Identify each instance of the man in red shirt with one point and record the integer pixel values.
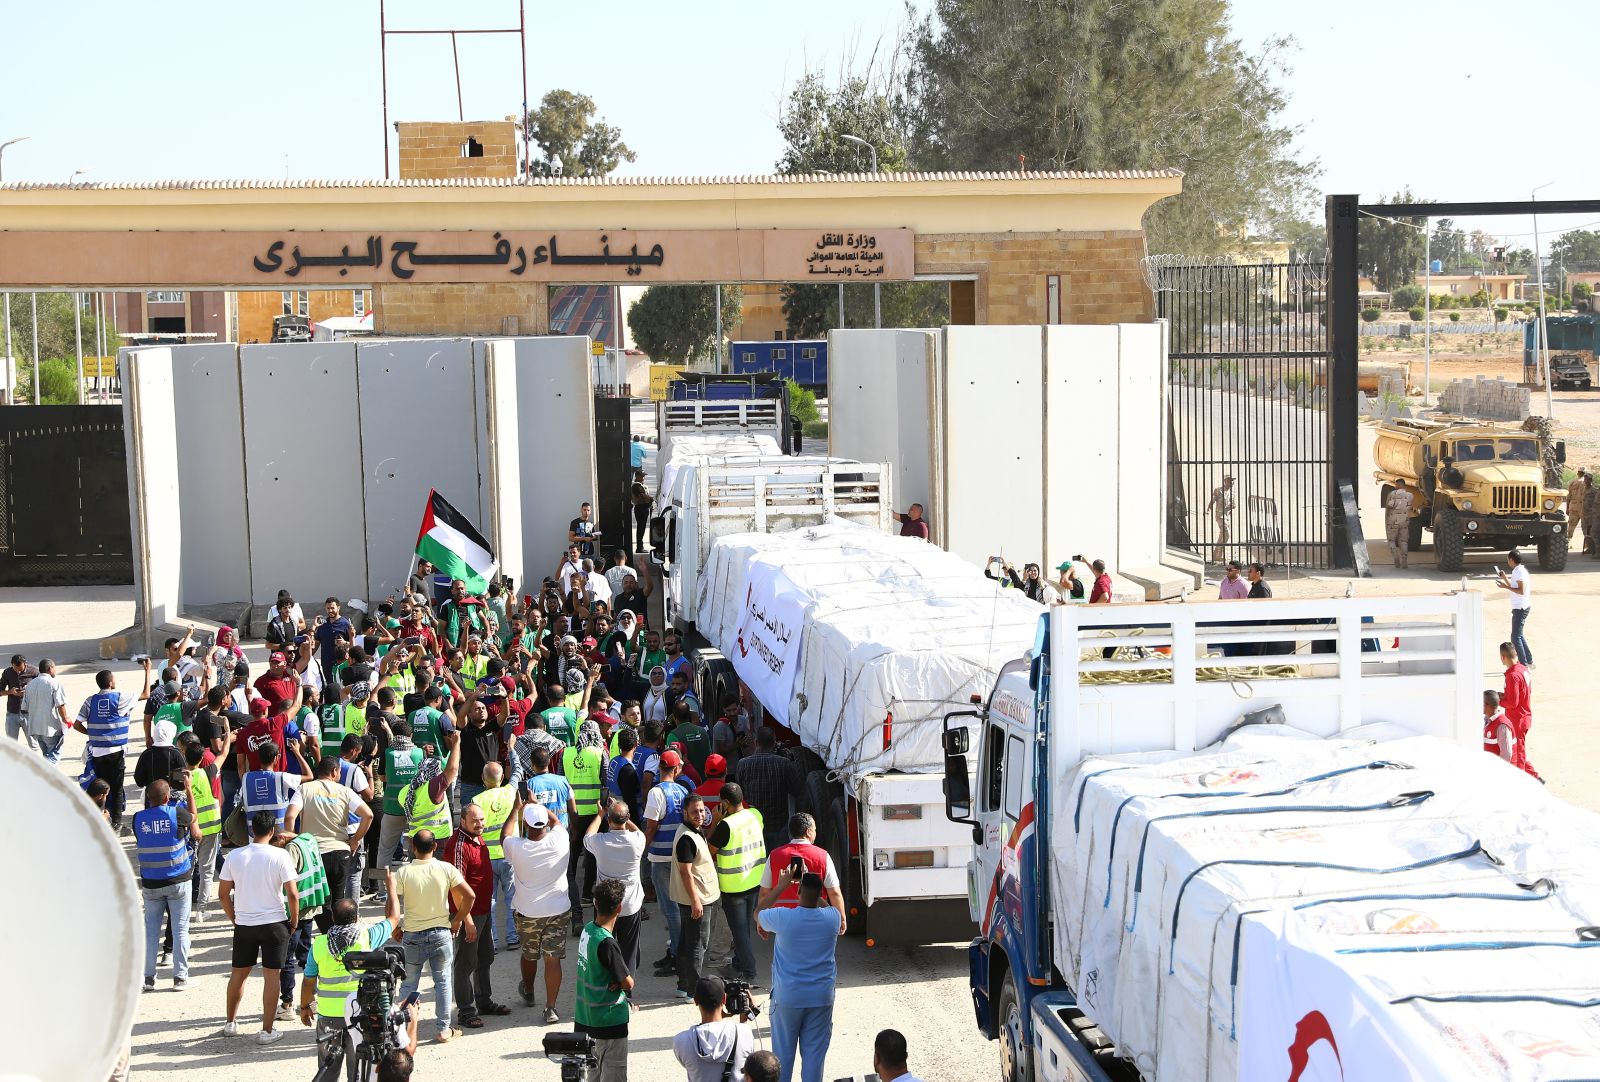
(1101, 594)
(474, 953)
(278, 685)
(1517, 701)
(264, 728)
(716, 777)
(912, 523)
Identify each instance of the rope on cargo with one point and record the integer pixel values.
(1587, 937)
(1403, 800)
(1537, 891)
(1497, 997)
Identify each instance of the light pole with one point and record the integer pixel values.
(1543, 340)
(877, 288)
(2, 152)
(76, 173)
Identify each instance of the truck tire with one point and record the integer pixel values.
(1414, 534)
(833, 834)
(1553, 551)
(1014, 1064)
(1449, 546)
(819, 795)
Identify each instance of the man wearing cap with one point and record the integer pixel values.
(1068, 586)
(538, 851)
(715, 1049)
(278, 685)
(803, 975)
(397, 768)
(431, 728)
(663, 814)
(715, 778)
(1221, 506)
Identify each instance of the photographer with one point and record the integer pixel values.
(803, 973)
(327, 985)
(716, 1048)
(604, 981)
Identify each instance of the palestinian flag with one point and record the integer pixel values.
(454, 546)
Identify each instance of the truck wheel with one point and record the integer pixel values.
(819, 794)
(1553, 551)
(1014, 1065)
(1448, 543)
(833, 833)
(1414, 534)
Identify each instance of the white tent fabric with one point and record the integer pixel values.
(892, 626)
(1206, 907)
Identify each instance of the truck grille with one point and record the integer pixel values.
(1516, 499)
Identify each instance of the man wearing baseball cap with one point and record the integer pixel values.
(278, 685)
(538, 853)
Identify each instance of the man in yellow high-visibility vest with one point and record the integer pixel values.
(497, 800)
(328, 985)
(740, 855)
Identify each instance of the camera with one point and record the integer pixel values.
(739, 1003)
(376, 1015)
(573, 1051)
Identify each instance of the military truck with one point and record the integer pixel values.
(1477, 484)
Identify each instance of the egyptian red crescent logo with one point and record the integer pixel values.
(1308, 1032)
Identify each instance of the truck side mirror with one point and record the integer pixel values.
(957, 790)
(956, 741)
(1561, 450)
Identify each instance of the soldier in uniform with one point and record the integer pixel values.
(1397, 522)
(1577, 505)
(1591, 522)
(1221, 506)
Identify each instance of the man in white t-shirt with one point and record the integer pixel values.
(617, 852)
(539, 876)
(1516, 581)
(258, 894)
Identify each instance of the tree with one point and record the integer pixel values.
(678, 324)
(564, 131)
(815, 116)
(1408, 296)
(58, 339)
(1392, 250)
(58, 382)
(1105, 84)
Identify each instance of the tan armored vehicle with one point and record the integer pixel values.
(1477, 484)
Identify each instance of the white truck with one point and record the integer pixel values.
(1351, 889)
(701, 404)
(858, 643)
(708, 492)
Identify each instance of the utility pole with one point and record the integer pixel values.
(34, 299)
(1543, 339)
(877, 287)
(9, 142)
(1427, 312)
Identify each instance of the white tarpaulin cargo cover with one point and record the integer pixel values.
(1284, 908)
(891, 626)
(720, 449)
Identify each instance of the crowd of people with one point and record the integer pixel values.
(493, 773)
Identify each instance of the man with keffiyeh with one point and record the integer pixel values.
(327, 984)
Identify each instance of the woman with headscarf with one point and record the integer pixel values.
(654, 705)
(226, 653)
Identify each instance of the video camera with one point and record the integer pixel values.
(573, 1051)
(380, 973)
(739, 1003)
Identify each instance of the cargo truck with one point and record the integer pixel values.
(1196, 867)
(701, 404)
(1475, 484)
(857, 643)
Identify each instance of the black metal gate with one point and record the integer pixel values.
(64, 488)
(1249, 471)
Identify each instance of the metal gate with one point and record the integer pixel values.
(64, 489)
(1249, 471)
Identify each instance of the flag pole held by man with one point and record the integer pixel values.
(454, 546)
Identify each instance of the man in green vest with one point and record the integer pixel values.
(399, 765)
(431, 728)
(328, 984)
(584, 768)
(314, 892)
(603, 986)
(740, 855)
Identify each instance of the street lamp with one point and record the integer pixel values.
(76, 173)
(877, 289)
(3, 146)
(1544, 332)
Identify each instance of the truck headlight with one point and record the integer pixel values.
(1549, 505)
(1466, 505)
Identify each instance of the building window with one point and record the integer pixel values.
(1052, 298)
(164, 296)
(288, 303)
(780, 354)
(809, 353)
(358, 303)
(302, 304)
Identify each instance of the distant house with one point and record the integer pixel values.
(1499, 287)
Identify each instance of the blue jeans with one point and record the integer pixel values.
(160, 903)
(17, 729)
(502, 915)
(661, 876)
(436, 948)
(50, 748)
(1519, 619)
(740, 909)
(808, 1028)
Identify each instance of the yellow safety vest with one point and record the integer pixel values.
(496, 805)
(429, 814)
(207, 814)
(335, 983)
(584, 768)
(472, 670)
(403, 680)
(739, 863)
(355, 719)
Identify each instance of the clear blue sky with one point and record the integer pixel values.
(237, 89)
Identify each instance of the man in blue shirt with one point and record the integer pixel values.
(549, 789)
(803, 973)
(330, 628)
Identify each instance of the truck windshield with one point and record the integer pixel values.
(1503, 450)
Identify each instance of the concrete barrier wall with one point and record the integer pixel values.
(302, 463)
(150, 432)
(1082, 481)
(210, 437)
(307, 466)
(1141, 447)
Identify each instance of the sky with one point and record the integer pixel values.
(292, 89)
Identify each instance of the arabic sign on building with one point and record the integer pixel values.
(297, 259)
(767, 649)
